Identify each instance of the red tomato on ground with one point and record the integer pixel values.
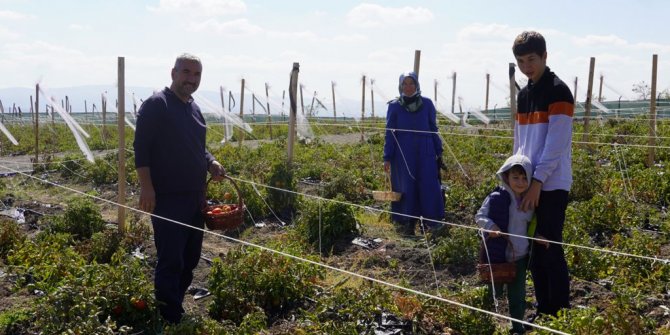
(140, 304)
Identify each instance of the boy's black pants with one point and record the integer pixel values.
(548, 266)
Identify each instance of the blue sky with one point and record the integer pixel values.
(72, 43)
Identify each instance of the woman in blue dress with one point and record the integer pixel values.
(411, 151)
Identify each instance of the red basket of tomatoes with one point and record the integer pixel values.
(225, 216)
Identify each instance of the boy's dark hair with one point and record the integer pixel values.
(529, 42)
(516, 169)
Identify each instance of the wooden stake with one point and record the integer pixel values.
(223, 105)
(332, 88)
(575, 92)
(453, 92)
(435, 91)
(302, 103)
(37, 122)
(293, 86)
(651, 156)
(486, 102)
(587, 104)
(253, 106)
(417, 62)
(512, 94)
(311, 106)
(283, 98)
(85, 107)
(363, 107)
(267, 103)
(372, 98)
(134, 106)
(600, 91)
(239, 142)
(122, 145)
(103, 103)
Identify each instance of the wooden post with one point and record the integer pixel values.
(293, 86)
(600, 91)
(67, 104)
(372, 98)
(302, 103)
(587, 104)
(37, 122)
(122, 144)
(417, 61)
(486, 102)
(435, 91)
(512, 94)
(253, 106)
(311, 106)
(332, 88)
(575, 92)
(283, 98)
(239, 142)
(85, 107)
(103, 103)
(363, 106)
(223, 105)
(134, 106)
(267, 103)
(652, 113)
(453, 92)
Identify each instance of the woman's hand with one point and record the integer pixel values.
(387, 166)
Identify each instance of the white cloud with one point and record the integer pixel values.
(352, 38)
(373, 16)
(243, 28)
(653, 47)
(15, 16)
(201, 8)
(6, 34)
(239, 27)
(487, 32)
(79, 27)
(54, 64)
(599, 40)
(298, 35)
(391, 55)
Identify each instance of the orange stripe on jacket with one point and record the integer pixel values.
(561, 108)
(532, 118)
(557, 108)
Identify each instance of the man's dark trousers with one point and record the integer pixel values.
(178, 249)
(548, 265)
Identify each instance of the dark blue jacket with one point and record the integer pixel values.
(498, 211)
(170, 140)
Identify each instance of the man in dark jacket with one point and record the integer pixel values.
(172, 164)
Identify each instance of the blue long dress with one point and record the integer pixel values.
(413, 161)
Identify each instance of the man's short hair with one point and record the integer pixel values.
(529, 42)
(186, 57)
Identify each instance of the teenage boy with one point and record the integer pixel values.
(543, 133)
